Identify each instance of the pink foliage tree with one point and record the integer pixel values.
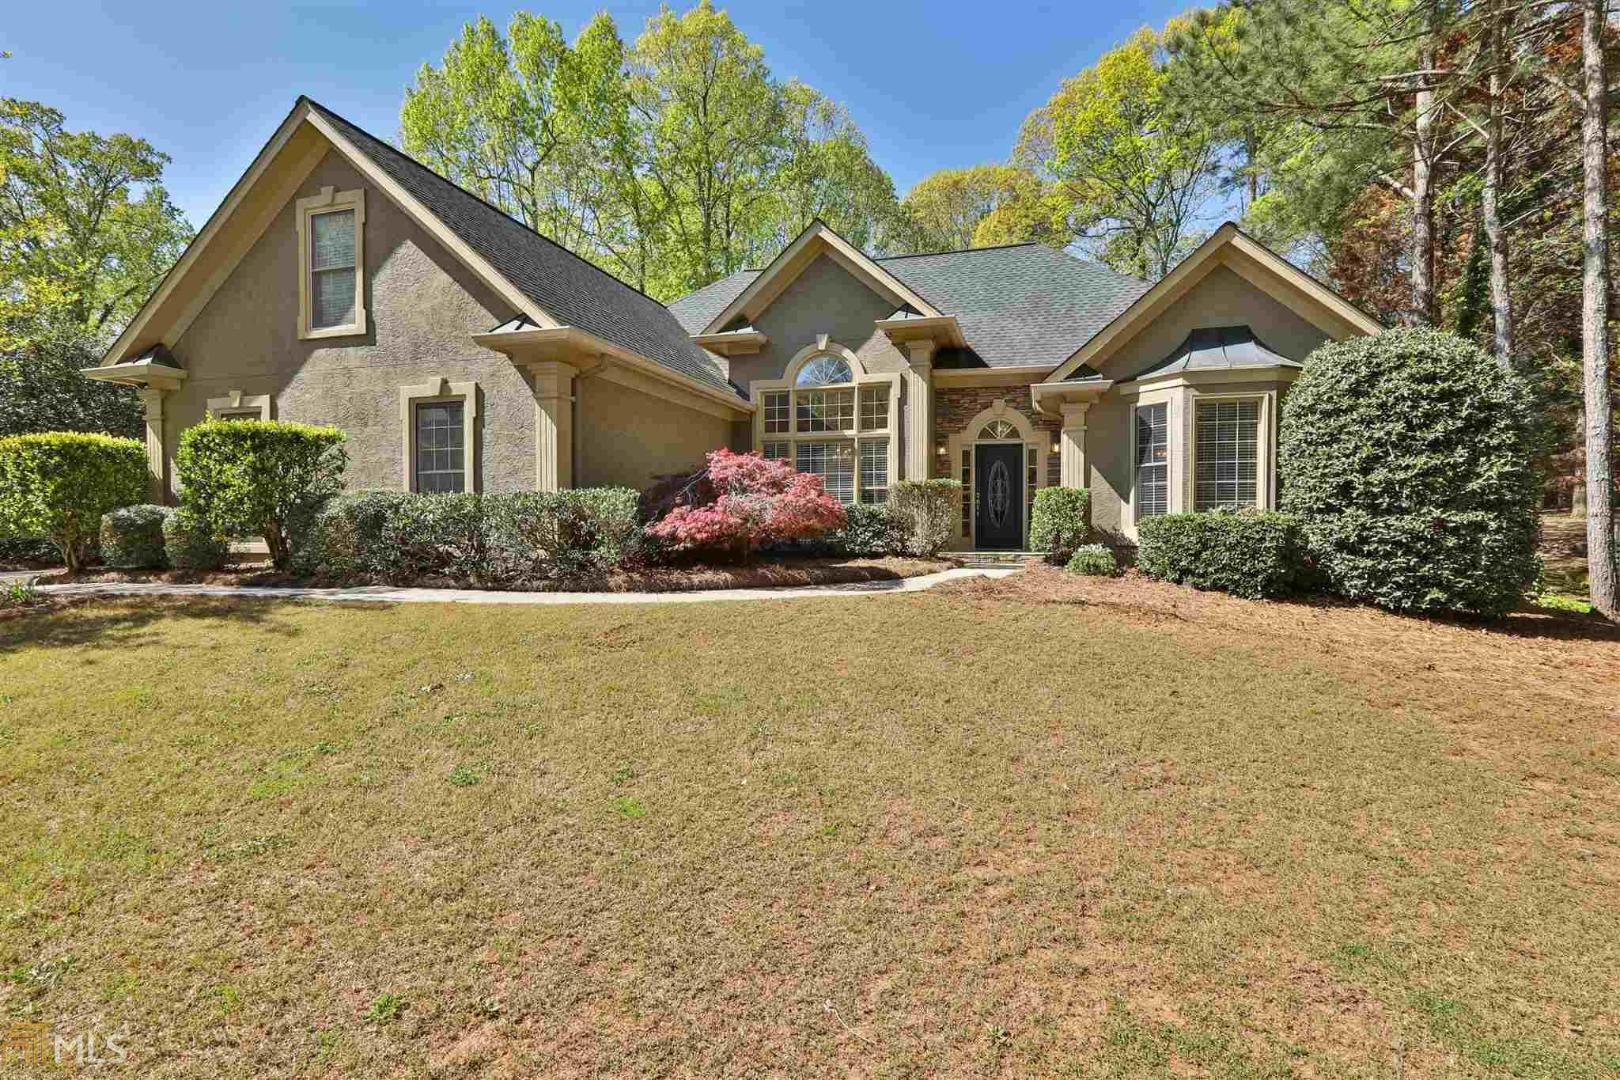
(756, 502)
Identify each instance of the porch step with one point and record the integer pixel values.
(994, 560)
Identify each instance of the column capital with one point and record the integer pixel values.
(920, 354)
(552, 378)
(1074, 413)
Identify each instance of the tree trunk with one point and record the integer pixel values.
(1490, 200)
(1595, 317)
(1422, 312)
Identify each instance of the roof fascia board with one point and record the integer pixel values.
(204, 239)
(1254, 262)
(1258, 265)
(797, 256)
(572, 339)
(430, 222)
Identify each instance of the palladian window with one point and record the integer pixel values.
(831, 420)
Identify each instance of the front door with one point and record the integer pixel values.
(998, 496)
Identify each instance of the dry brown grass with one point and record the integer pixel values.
(1039, 826)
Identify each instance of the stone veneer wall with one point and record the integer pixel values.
(955, 406)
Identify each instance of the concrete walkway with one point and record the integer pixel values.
(389, 595)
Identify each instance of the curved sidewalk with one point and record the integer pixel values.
(388, 595)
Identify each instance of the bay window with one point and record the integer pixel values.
(1227, 454)
(1152, 460)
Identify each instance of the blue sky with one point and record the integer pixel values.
(933, 85)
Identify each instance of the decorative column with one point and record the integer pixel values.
(553, 424)
(1072, 444)
(156, 464)
(919, 380)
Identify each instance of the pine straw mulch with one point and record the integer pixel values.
(781, 572)
(1558, 657)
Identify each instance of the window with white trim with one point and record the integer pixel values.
(834, 462)
(874, 470)
(1227, 454)
(441, 447)
(828, 417)
(1152, 460)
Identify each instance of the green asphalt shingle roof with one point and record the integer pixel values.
(1017, 305)
(572, 290)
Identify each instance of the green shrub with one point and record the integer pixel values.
(869, 531)
(132, 537)
(192, 544)
(1408, 459)
(260, 478)
(488, 540)
(16, 550)
(928, 512)
(1093, 560)
(345, 537)
(1249, 553)
(1060, 520)
(57, 485)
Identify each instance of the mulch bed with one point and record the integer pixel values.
(764, 573)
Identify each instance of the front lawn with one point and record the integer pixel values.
(1041, 826)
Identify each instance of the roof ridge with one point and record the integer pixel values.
(958, 251)
(478, 198)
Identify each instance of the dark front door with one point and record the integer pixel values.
(998, 495)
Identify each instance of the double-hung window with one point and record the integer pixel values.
(1227, 454)
(331, 264)
(1152, 460)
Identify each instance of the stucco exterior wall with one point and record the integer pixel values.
(824, 299)
(627, 437)
(1223, 298)
(423, 306)
(1108, 449)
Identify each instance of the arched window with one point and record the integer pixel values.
(830, 417)
(999, 430)
(825, 371)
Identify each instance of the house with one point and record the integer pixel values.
(343, 283)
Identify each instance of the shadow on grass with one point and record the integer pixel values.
(122, 621)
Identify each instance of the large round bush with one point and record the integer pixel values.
(1407, 458)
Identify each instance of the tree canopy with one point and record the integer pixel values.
(670, 161)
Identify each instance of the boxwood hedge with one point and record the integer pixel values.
(1251, 553)
(132, 536)
(1060, 521)
(1408, 459)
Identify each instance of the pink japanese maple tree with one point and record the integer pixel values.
(754, 502)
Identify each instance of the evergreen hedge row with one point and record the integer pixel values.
(1251, 553)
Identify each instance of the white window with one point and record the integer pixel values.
(1228, 457)
(874, 470)
(828, 416)
(331, 257)
(1152, 460)
(874, 408)
(834, 462)
(776, 412)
